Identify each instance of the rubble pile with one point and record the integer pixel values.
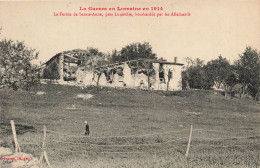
(84, 96)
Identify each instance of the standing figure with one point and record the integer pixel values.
(87, 128)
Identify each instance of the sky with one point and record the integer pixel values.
(215, 27)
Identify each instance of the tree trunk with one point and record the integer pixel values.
(92, 62)
(148, 82)
(187, 85)
(243, 91)
(231, 88)
(99, 75)
(242, 94)
(225, 88)
(187, 81)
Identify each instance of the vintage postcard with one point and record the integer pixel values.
(130, 83)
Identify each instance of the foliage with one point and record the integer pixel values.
(16, 70)
(98, 59)
(220, 69)
(223, 74)
(196, 75)
(247, 65)
(133, 51)
(231, 80)
(219, 72)
(248, 70)
(51, 71)
(200, 76)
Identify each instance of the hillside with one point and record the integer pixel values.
(135, 128)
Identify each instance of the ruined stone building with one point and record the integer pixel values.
(79, 67)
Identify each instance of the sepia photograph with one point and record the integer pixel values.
(130, 84)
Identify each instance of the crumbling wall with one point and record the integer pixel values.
(80, 75)
(177, 85)
(118, 81)
(103, 80)
(141, 81)
(128, 78)
(121, 75)
(156, 79)
(88, 78)
(175, 80)
(85, 76)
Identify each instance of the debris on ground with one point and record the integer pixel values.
(195, 113)
(84, 96)
(72, 107)
(41, 93)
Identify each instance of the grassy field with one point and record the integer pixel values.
(131, 128)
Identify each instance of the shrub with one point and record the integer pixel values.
(51, 71)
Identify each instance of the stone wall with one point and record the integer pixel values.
(134, 80)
